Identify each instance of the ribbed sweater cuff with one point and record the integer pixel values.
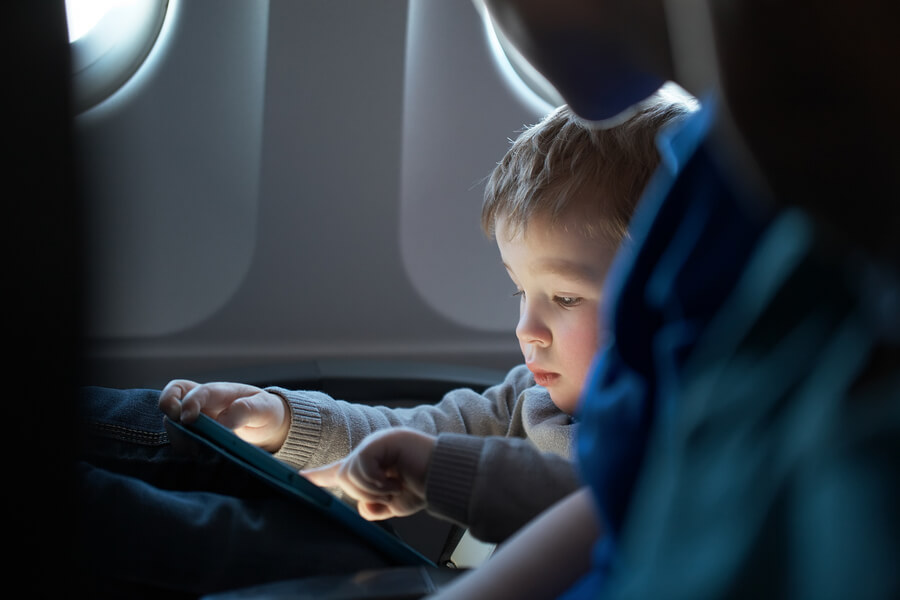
(306, 427)
(451, 475)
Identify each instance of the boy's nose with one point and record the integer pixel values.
(531, 329)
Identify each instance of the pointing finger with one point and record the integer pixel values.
(325, 476)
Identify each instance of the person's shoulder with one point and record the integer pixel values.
(678, 141)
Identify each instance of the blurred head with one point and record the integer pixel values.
(602, 56)
(803, 89)
(559, 204)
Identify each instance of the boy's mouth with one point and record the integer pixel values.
(542, 377)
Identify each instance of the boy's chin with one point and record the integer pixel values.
(566, 402)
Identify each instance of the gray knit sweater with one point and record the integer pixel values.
(515, 460)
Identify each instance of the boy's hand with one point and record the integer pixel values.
(256, 416)
(385, 474)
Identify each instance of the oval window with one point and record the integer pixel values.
(109, 40)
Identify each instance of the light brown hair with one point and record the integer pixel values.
(563, 163)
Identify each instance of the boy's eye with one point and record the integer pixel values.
(518, 293)
(567, 301)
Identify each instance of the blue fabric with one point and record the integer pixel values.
(741, 430)
(163, 520)
(779, 476)
(690, 235)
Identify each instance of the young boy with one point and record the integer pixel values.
(558, 205)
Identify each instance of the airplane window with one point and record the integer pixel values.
(110, 39)
(453, 266)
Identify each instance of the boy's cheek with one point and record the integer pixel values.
(581, 344)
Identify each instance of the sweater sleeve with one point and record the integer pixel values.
(495, 485)
(324, 429)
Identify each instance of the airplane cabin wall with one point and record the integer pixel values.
(289, 180)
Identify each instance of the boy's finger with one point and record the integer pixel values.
(375, 511)
(325, 476)
(335, 476)
(212, 398)
(172, 395)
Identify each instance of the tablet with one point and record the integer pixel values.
(282, 476)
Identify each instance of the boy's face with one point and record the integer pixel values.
(558, 273)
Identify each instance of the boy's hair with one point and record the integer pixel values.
(564, 163)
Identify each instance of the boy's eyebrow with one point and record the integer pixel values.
(566, 268)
